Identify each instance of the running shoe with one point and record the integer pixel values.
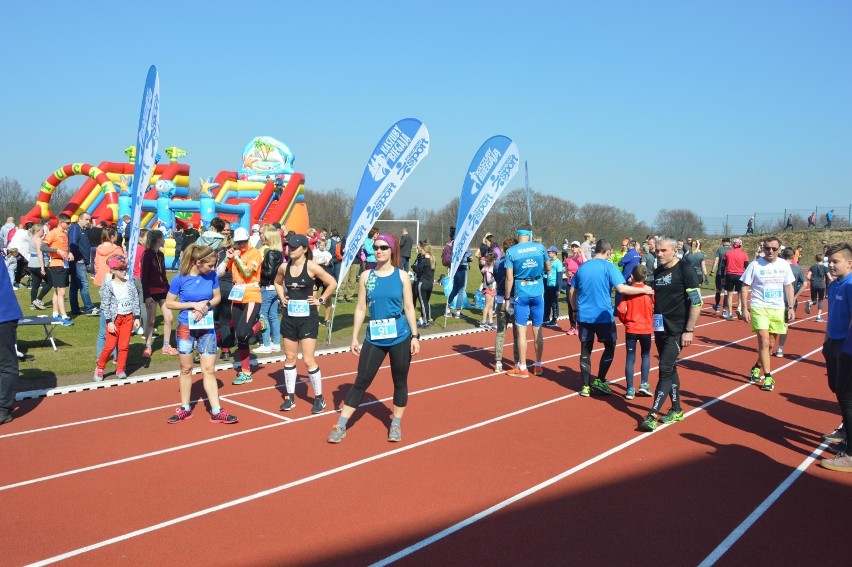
(458, 315)
(57, 319)
(768, 384)
(67, 322)
(836, 436)
(169, 350)
(649, 423)
(779, 353)
(288, 404)
(225, 355)
(538, 370)
(38, 304)
(585, 391)
(808, 307)
(601, 386)
(839, 448)
(394, 433)
(820, 320)
(673, 416)
(715, 307)
(572, 331)
(630, 394)
(242, 378)
(275, 348)
(99, 375)
(147, 352)
(645, 390)
(725, 313)
(754, 375)
(729, 317)
(498, 367)
(223, 417)
(93, 312)
(262, 349)
(120, 374)
(319, 405)
(180, 415)
(515, 372)
(841, 462)
(338, 432)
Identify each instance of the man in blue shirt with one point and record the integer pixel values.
(526, 266)
(837, 350)
(10, 313)
(591, 297)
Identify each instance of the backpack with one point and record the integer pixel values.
(338, 251)
(447, 254)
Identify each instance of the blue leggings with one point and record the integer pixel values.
(645, 344)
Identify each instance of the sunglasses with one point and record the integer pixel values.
(771, 248)
(124, 269)
(383, 247)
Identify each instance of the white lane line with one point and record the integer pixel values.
(561, 476)
(256, 409)
(746, 524)
(374, 458)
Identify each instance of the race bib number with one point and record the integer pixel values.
(772, 294)
(125, 306)
(298, 308)
(205, 322)
(237, 293)
(383, 329)
(658, 322)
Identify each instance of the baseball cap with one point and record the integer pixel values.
(115, 262)
(255, 228)
(575, 243)
(553, 249)
(737, 242)
(297, 240)
(241, 235)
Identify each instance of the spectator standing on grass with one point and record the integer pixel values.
(798, 286)
(120, 306)
(137, 275)
(155, 287)
(829, 217)
(11, 261)
(39, 276)
(273, 257)
(649, 259)
(552, 281)
(294, 286)
(10, 313)
(405, 245)
(636, 312)
(191, 234)
(818, 278)
(21, 241)
(424, 273)
(677, 306)
(695, 260)
(571, 264)
(837, 351)
(5, 230)
(591, 296)
(193, 293)
(108, 249)
(587, 247)
(95, 233)
(56, 246)
(489, 289)
(767, 293)
(78, 243)
(386, 290)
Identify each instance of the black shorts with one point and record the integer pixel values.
(58, 276)
(733, 283)
(158, 297)
(817, 293)
(605, 332)
(297, 328)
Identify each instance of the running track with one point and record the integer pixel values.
(492, 470)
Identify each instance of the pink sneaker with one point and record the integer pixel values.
(223, 417)
(180, 415)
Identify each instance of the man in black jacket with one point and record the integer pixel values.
(405, 249)
(79, 246)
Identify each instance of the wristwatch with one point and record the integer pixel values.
(321, 301)
(209, 305)
(417, 336)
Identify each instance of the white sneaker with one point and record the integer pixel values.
(262, 350)
(275, 348)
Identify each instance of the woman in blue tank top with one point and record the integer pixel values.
(386, 291)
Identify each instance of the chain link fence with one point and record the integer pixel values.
(764, 222)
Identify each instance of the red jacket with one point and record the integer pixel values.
(637, 313)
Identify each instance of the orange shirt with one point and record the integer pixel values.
(58, 239)
(251, 259)
(637, 313)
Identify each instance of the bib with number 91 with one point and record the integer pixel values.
(298, 308)
(383, 329)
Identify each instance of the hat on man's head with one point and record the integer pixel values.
(737, 242)
(575, 243)
(255, 228)
(553, 249)
(116, 262)
(241, 235)
(297, 240)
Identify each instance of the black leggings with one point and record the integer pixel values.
(572, 313)
(38, 280)
(668, 347)
(844, 392)
(586, 360)
(245, 317)
(369, 363)
(424, 294)
(222, 316)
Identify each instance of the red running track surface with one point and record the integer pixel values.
(492, 470)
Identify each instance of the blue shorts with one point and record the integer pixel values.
(529, 309)
(605, 332)
(202, 339)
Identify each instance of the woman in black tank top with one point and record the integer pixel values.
(294, 284)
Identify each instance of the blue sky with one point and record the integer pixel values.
(720, 107)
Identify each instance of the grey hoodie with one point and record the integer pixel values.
(211, 238)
